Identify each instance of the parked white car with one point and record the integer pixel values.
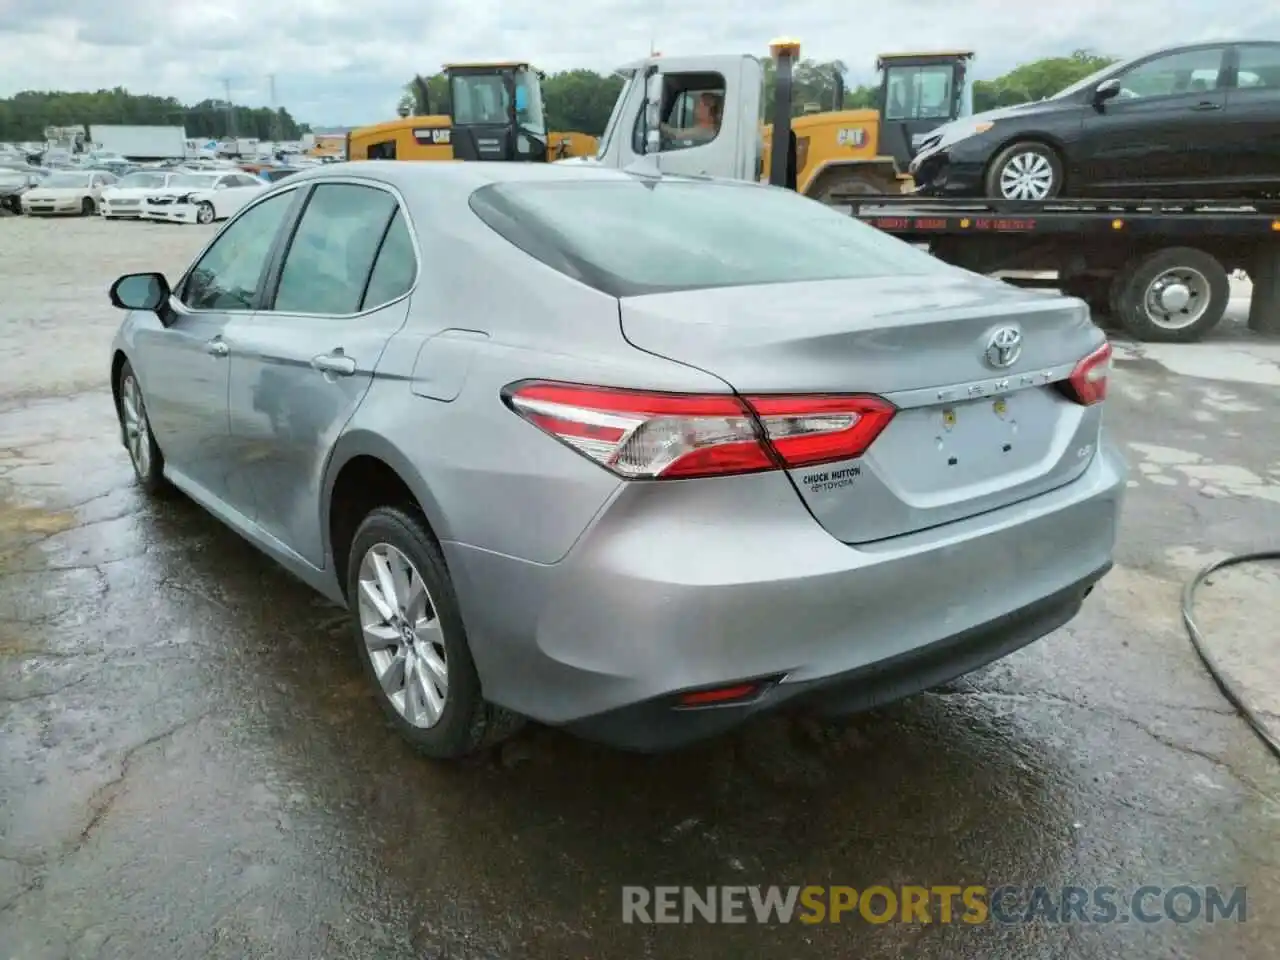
(202, 197)
(124, 199)
(73, 192)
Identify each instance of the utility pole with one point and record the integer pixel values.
(275, 111)
(231, 111)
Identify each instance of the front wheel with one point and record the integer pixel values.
(135, 430)
(1025, 171)
(410, 637)
(205, 212)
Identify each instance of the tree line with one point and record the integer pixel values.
(581, 100)
(25, 115)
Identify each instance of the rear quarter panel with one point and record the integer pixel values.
(489, 479)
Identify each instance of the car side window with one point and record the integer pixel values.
(692, 114)
(328, 264)
(1187, 72)
(1259, 66)
(228, 275)
(396, 267)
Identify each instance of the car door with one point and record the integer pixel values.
(183, 365)
(301, 366)
(1160, 134)
(1251, 155)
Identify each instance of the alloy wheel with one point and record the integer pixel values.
(137, 429)
(403, 635)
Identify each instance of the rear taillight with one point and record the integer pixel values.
(644, 436)
(1088, 381)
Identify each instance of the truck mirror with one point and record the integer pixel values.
(653, 112)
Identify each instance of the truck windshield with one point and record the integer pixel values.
(920, 92)
(529, 102)
(612, 126)
(479, 98)
(630, 237)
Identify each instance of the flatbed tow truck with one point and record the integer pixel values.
(1160, 269)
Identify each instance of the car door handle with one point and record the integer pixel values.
(217, 348)
(1207, 105)
(338, 363)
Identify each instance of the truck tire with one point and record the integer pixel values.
(1175, 295)
(1026, 170)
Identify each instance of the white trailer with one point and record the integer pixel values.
(139, 142)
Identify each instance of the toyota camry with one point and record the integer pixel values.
(638, 456)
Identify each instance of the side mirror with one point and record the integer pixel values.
(1106, 90)
(140, 291)
(653, 88)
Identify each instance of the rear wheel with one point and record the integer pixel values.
(1172, 296)
(411, 639)
(87, 207)
(205, 212)
(1025, 171)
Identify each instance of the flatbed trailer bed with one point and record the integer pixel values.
(1159, 268)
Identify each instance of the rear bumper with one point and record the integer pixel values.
(660, 724)
(684, 586)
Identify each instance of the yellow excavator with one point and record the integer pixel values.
(493, 111)
(857, 152)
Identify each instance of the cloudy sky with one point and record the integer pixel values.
(343, 61)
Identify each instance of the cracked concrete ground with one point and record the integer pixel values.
(192, 765)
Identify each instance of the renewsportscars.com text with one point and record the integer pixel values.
(936, 904)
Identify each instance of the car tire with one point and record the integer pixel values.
(1026, 167)
(1150, 293)
(135, 432)
(87, 207)
(420, 635)
(205, 213)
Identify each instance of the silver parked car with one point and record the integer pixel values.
(637, 456)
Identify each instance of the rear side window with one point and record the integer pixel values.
(396, 267)
(629, 237)
(332, 252)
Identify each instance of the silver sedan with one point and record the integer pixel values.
(638, 456)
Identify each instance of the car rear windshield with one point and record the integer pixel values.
(635, 237)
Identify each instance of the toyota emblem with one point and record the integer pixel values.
(1004, 347)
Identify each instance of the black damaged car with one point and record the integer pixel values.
(1195, 121)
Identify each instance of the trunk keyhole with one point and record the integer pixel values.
(1007, 447)
(952, 461)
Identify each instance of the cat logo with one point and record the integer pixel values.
(851, 137)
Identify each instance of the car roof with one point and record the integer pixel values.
(421, 176)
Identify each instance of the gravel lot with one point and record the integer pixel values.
(191, 764)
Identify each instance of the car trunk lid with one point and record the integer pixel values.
(981, 422)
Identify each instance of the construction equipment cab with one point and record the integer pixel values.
(492, 111)
(918, 93)
(496, 109)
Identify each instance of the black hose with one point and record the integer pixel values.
(1229, 689)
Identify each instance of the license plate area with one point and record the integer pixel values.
(953, 448)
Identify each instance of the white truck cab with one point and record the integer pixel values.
(676, 85)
